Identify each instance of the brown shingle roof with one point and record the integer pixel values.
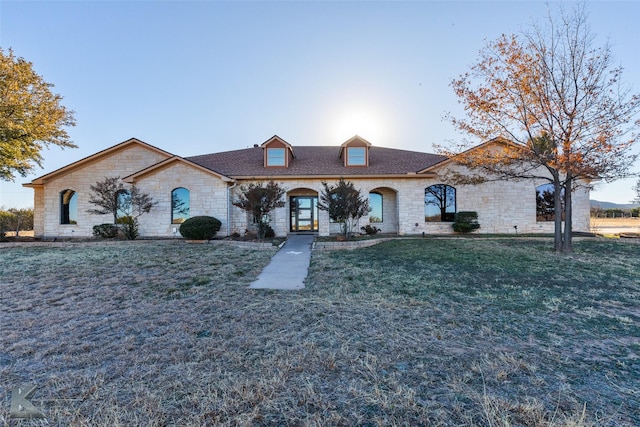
(317, 161)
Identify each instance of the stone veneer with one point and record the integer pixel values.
(124, 162)
(500, 205)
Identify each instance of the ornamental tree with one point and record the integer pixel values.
(110, 196)
(259, 201)
(556, 103)
(31, 117)
(344, 204)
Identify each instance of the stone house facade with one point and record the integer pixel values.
(399, 183)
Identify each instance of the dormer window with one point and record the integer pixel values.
(276, 157)
(356, 156)
(355, 152)
(278, 153)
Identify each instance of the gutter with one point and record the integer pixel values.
(229, 204)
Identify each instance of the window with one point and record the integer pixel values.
(356, 156)
(179, 205)
(545, 203)
(439, 203)
(275, 157)
(375, 203)
(68, 207)
(123, 211)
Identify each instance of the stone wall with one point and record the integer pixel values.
(501, 205)
(124, 162)
(207, 196)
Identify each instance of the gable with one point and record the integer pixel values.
(171, 163)
(138, 155)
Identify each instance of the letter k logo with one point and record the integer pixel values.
(20, 406)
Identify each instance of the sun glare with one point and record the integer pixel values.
(358, 121)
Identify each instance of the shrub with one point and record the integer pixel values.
(130, 227)
(268, 232)
(106, 231)
(465, 222)
(369, 229)
(200, 228)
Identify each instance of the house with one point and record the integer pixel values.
(408, 190)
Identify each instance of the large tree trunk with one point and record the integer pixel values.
(567, 245)
(557, 215)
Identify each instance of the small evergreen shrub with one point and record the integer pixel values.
(106, 231)
(268, 232)
(130, 227)
(370, 229)
(465, 222)
(200, 228)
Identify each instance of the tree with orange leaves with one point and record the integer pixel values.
(555, 104)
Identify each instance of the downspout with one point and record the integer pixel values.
(229, 204)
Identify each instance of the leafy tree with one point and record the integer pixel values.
(556, 102)
(344, 204)
(18, 219)
(126, 205)
(31, 117)
(104, 194)
(259, 201)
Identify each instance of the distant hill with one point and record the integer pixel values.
(609, 205)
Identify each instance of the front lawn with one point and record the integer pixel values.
(408, 332)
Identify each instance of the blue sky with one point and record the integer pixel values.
(206, 76)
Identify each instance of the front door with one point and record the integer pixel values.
(304, 213)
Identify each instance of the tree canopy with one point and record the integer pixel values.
(259, 200)
(31, 117)
(556, 103)
(344, 204)
(126, 205)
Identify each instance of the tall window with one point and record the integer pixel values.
(275, 157)
(545, 203)
(124, 210)
(68, 207)
(356, 156)
(375, 203)
(439, 203)
(179, 205)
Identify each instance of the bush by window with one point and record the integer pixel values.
(200, 228)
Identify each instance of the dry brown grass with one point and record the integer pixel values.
(615, 222)
(489, 332)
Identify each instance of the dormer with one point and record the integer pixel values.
(278, 153)
(355, 152)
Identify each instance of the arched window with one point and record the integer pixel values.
(68, 207)
(439, 203)
(545, 203)
(375, 203)
(124, 210)
(179, 205)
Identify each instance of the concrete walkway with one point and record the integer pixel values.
(289, 266)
